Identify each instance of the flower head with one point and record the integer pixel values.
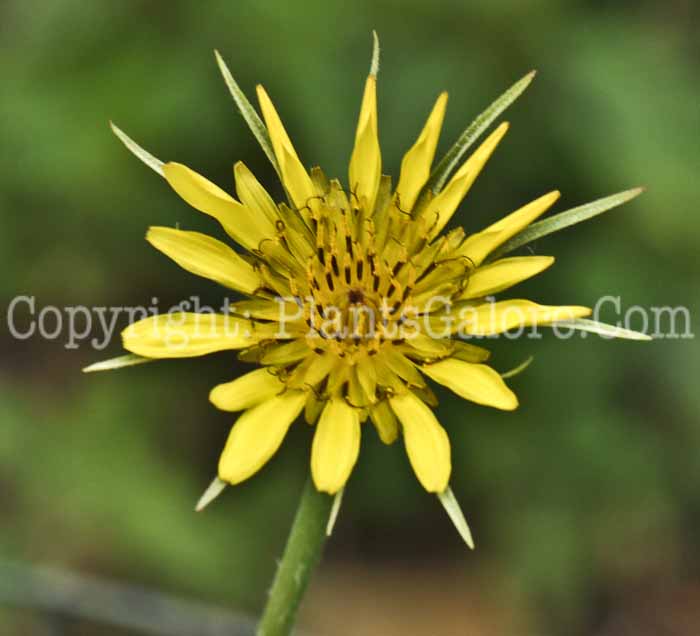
(357, 297)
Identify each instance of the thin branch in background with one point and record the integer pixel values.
(122, 605)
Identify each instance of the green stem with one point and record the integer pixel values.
(301, 555)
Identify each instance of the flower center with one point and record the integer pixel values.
(360, 279)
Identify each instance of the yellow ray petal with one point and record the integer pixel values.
(494, 318)
(402, 366)
(366, 160)
(415, 167)
(355, 392)
(427, 444)
(336, 445)
(443, 206)
(469, 352)
(478, 246)
(286, 353)
(239, 222)
(253, 195)
(312, 370)
(385, 422)
(277, 309)
(312, 408)
(423, 346)
(248, 390)
(367, 377)
(504, 273)
(257, 434)
(185, 335)
(386, 378)
(296, 180)
(205, 256)
(474, 382)
(525, 215)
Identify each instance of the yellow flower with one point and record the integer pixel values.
(356, 296)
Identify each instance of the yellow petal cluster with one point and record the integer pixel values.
(356, 299)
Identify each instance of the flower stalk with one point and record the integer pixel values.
(301, 555)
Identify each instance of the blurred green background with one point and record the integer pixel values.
(585, 502)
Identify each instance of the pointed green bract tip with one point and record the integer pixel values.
(472, 132)
(127, 360)
(374, 66)
(337, 500)
(152, 162)
(519, 369)
(212, 492)
(221, 64)
(602, 329)
(449, 502)
(563, 220)
(250, 115)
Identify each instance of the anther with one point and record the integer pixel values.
(355, 296)
(334, 264)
